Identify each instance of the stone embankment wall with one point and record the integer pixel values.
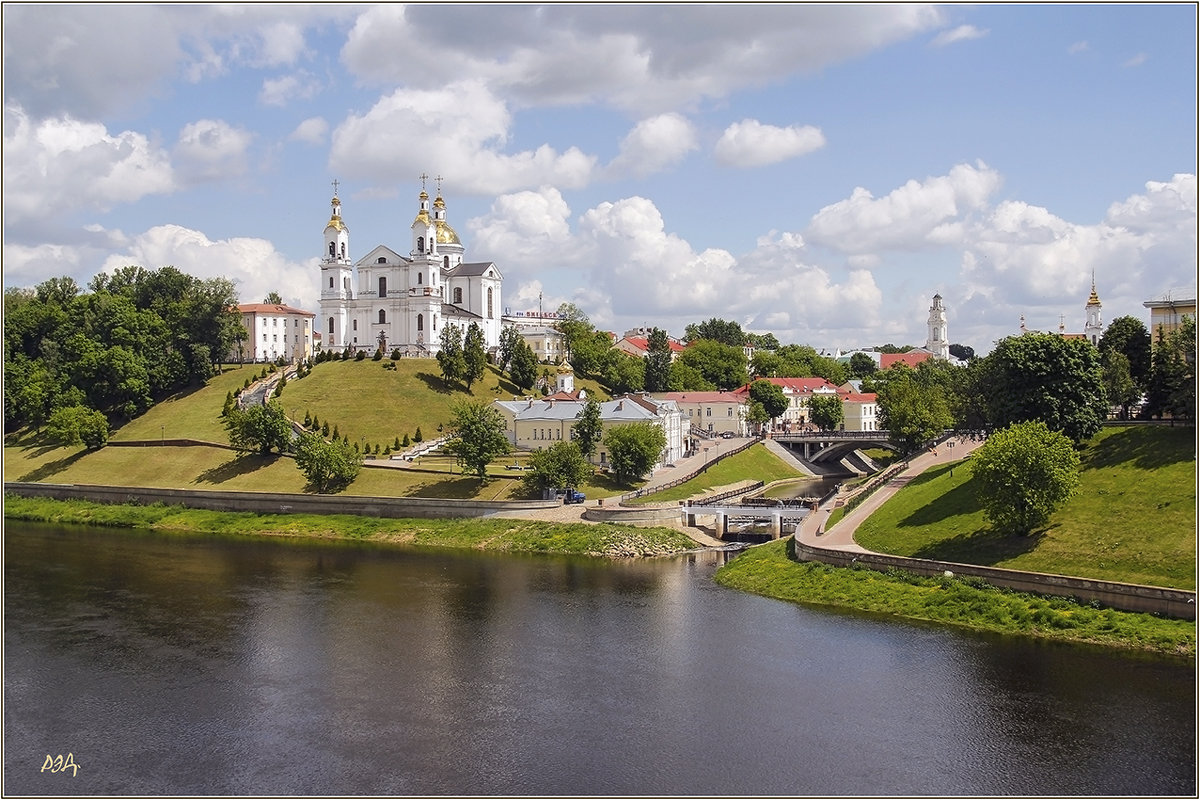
(279, 502)
(1176, 603)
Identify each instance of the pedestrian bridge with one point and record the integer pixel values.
(724, 513)
(833, 445)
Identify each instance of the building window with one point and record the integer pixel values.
(382, 317)
(355, 326)
(708, 412)
(330, 281)
(383, 287)
(331, 324)
(418, 279)
(381, 260)
(420, 322)
(489, 304)
(446, 262)
(458, 297)
(420, 244)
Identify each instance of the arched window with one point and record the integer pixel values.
(420, 244)
(383, 287)
(446, 262)
(420, 322)
(490, 316)
(330, 281)
(458, 297)
(331, 324)
(419, 279)
(381, 260)
(331, 250)
(355, 324)
(382, 317)
(343, 249)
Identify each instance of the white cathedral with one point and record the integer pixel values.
(390, 301)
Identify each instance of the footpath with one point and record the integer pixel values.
(813, 528)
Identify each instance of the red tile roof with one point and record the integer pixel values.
(795, 385)
(272, 308)
(911, 358)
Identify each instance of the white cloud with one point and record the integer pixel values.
(211, 149)
(254, 265)
(62, 164)
(750, 143)
(654, 144)
(281, 43)
(960, 34)
(913, 216)
(1077, 47)
(1136, 61)
(280, 91)
(464, 125)
(312, 130)
(523, 228)
(643, 58)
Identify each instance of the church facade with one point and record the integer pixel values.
(392, 301)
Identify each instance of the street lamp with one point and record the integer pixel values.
(162, 430)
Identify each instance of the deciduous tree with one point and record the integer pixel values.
(474, 356)
(771, 397)
(477, 435)
(588, 428)
(658, 361)
(558, 466)
(1024, 472)
(328, 466)
(523, 366)
(722, 365)
(634, 449)
(450, 354)
(259, 428)
(826, 411)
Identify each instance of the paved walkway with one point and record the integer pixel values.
(841, 536)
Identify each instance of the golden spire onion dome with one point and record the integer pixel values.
(565, 369)
(446, 234)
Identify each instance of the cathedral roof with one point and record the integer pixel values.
(474, 269)
(445, 234)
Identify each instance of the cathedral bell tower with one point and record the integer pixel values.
(337, 279)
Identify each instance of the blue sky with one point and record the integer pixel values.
(816, 171)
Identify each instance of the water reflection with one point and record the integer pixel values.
(190, 665)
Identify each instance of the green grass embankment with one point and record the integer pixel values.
(507, 535)
(1133, 518)
(766, 570)
(754, 463)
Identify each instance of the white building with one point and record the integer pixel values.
(403, 302)
(274, 331)
(936, 340)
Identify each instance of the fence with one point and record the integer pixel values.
(622, 500)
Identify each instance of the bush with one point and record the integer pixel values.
(361, 355)
(417, 437)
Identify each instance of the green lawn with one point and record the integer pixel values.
(755, 463)
(1132, 520)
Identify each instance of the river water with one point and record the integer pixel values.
(178, 664)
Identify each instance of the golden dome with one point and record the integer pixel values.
(422, 216)
(336, 223)
(446, 234)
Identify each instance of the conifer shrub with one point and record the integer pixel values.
(417, 437)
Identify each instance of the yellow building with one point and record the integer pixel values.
(1168, 311)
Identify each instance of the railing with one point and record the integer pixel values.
(622, 500)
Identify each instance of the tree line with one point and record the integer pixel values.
(76, 361)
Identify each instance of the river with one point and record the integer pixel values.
(182, 664)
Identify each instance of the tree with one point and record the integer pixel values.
(328, 466)
(962, 352)
(78, 425)
(450, 355)
(716, 330)
(862, 365)
(510, 338)
(771, 397)
(913, 411)
(826, 411)
(1119, 388)
(762, 341)
(756, 415)
(558, 466)
(259, 428)
(634, 449)
(625, 373)
(523, 366)
(1048, 377)
(474, 356)
(1128, 336)
(723, 365)
(576, 328)
(589, 428)
(478, 435)
(658, 361)
(1024, 473)
(273, 298)
(683, 378)
(1172, 384)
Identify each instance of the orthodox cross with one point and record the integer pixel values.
(335, 186)
(422, 176)
(439, 183)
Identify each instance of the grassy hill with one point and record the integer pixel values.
(1132, 520)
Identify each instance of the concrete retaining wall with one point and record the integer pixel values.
(646, 516)
(279, 502)
(1176, 603)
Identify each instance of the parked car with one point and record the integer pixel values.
(728, 435)
(570, 496)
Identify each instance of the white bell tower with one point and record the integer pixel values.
(337, 279)
(936, 340)
(1094, 328)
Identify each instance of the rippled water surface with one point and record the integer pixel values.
(193, 665)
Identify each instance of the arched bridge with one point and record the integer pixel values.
(833, 445)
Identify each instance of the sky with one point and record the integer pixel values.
(815, 171)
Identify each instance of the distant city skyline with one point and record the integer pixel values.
(814, 171)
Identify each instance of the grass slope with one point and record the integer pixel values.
(1132, 520)
(754, 463)
(766, 570)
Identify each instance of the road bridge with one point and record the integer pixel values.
(833, 445)
(777, 515)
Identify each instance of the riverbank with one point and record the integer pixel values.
(766, 570)
(504, 535)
